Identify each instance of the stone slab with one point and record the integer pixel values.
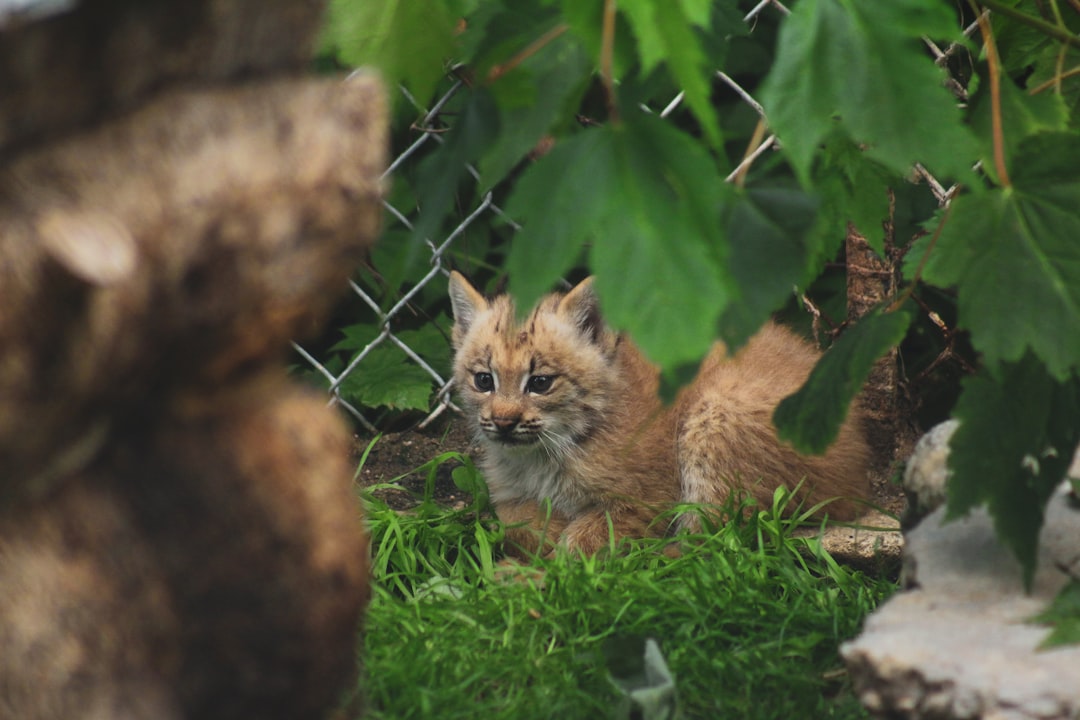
(957, 643)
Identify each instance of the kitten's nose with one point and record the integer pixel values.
(505, 423)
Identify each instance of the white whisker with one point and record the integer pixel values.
(558, 447)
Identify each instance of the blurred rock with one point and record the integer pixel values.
(177, 250)
(179, 536)
(64, 65)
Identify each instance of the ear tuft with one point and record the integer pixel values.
(581, 306)
(466, 303)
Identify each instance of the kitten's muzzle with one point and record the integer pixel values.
(505, 424)
(507, 429)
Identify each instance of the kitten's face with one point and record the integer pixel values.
(544, 383)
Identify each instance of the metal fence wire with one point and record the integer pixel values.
(429, 129)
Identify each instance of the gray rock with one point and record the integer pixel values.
(927, 472)
(957, 643)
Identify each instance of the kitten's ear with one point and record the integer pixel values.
(466, 303)
(581, 306)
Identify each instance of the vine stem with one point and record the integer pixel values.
(994, 64)
(607, 55)
(1053, 82)
(1063, 50)
(534, 47)
(755, 142)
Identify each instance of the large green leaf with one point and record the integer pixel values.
(438, 176)
(767, 232)
(646, 196)
(1014, 257)
(375, 33)
(387, 379)
(661, 260)
(499, 29)
(562, 201)
(666, 33)
(811, 418)
(557, 75)
(862, 65)
(854, 189)
(1015, 441)
(1022, 115)
(585, 18)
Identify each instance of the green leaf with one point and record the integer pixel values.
(468, 479)
(641, 15)
(439, 174)
(558, 74)
(665, 33)
(646, 196)
(767, 232)
(862, 65)
(854, 189)
(501, 28)
(660, 260)
(1046, 70)
(1014, 444)
(1064, 615)
(1022, 115)
(811, 418)
(431, 343)
(1018, 44)
(1014, 258)
(374, 34)
(561, 200)
(665, 292)
(387, 379)
(357, 337)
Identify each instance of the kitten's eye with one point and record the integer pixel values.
(539, 384)
(484, 382)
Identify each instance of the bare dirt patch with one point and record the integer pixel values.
(398, 456)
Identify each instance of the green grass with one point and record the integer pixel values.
(748, 619)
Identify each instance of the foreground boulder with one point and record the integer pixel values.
(179, 537)
(958, 641)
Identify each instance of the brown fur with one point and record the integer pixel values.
(598, 447)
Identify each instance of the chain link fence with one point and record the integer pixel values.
(429, 129)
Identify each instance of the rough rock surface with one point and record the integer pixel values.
(957, 643)
(927, 472)
(873, 544)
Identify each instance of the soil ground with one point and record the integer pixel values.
(396, 457)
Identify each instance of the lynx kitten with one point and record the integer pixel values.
(575, 436)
